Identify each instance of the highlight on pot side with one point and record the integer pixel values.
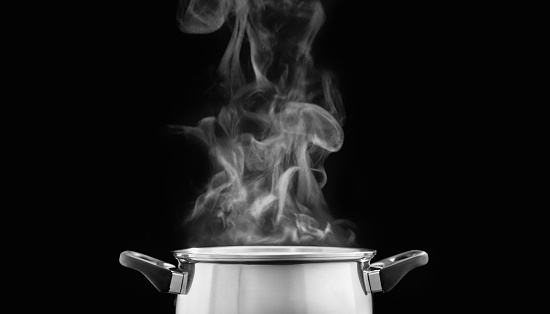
(268, 143)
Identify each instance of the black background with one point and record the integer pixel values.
(409, 75)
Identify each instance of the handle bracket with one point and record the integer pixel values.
(372, 281)
(178, 283)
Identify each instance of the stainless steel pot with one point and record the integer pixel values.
(274, 279)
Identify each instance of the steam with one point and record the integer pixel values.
(282, 120)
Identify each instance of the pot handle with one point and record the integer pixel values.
(164, 276)
(385, 274)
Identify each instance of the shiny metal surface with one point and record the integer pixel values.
(273, 253)
(309, 288)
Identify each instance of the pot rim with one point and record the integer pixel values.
(273, 253)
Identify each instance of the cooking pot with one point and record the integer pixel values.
(274, 279)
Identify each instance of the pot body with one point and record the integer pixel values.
(274, 280)
(304, 288)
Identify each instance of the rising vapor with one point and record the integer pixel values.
(269, 142)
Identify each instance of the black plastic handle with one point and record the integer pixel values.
(394, 268)
(157, 271)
